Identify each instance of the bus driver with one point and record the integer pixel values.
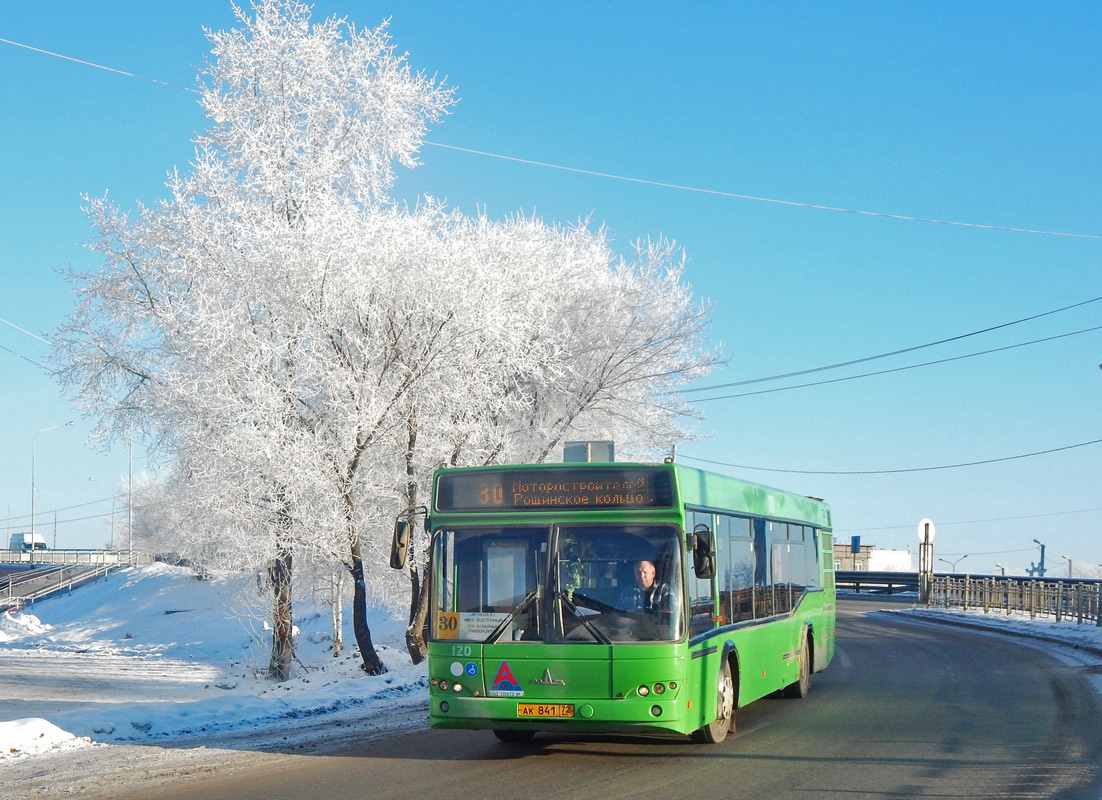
(646, 595)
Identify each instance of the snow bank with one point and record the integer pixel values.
(23, 737)
(15, 625)
(154, 655)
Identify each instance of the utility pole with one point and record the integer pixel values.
(1038, 570)
(925, 559)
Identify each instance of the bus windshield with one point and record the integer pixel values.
(585, 583)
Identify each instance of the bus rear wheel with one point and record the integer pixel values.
(799, 688)
(716, 731)
(514, 737)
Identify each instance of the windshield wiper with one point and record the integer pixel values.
(495, 634)
(598, 634)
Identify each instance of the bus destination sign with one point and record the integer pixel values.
(574, 488)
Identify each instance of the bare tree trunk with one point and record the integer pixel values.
(419, 596)
(415, 633)
(279, 572)
(372, 664)
(338, 613)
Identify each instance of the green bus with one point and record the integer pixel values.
(617, 597)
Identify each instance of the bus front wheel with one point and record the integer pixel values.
(716, 731)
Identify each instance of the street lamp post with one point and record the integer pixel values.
(33, 441)
(1068, 559)
(953, 564)
(1002, 569)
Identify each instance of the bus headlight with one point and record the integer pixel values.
(643, 691)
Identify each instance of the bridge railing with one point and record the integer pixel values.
(24, 588)
(1069, 599)
(113, 557)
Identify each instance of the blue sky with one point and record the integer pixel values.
(986, 113)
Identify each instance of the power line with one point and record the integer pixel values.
(814, 206)
(97, 66)
(892, 353)
(992, 552)
(24, 330)
(893, 471)
(642, 181)
(976, 522)
(896, 369)
(27, 517)
(20, 355)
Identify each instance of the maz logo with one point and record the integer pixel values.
(547, 680)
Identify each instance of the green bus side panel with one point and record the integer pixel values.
(766, 653)
(709, 490)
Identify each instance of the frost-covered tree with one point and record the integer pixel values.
(569, 340)
(186, 327)
(304, 353)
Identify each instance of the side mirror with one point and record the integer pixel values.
(399, 548)
(704, 556)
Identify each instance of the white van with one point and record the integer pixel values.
(26, 542)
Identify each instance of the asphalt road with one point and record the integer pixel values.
(905, 710)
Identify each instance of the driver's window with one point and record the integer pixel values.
(701, 595)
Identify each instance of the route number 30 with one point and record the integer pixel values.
(447, 625)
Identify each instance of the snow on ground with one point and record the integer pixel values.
(1085, 637)
(154, 655)
(155, 659)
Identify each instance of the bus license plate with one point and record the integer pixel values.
(546, 710)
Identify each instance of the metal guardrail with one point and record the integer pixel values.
(39, 574)
(112, 557)
(1068, 599)
(28, 586)
(876, 582)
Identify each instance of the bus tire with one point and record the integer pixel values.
(514, 737)
(799, 688)
(716, 731)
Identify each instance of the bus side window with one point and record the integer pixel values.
(811, 556)
(736, 568)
